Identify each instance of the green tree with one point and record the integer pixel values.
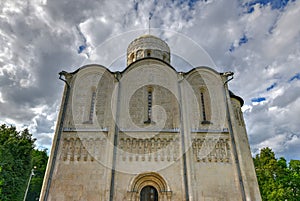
(276, 179)
(1, 181)
(266, 170)
(15, 162)
(39, 161)
(294, 183)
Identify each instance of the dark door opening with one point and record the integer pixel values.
(149, 193)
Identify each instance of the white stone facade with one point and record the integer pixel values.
(181, 134)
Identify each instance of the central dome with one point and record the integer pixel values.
(148, 46)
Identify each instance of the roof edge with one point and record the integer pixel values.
(232, 95)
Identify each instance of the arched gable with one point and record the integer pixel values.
(90, 98)
(136, 82)
(207, 108)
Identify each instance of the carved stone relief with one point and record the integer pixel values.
(211, 149)
(149, 149)
(76, 149)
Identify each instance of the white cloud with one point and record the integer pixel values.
(38, 39)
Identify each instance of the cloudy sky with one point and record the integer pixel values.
(259, 40)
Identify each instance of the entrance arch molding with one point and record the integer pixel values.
(149, 179)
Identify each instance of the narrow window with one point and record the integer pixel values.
(92, 107)
(203, 106)
(149, 108)
(164, 57)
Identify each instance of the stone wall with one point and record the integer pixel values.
(181, 143)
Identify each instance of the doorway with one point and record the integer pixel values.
(148, 193)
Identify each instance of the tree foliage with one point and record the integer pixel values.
(17, 157)
(277, 180)
(39, 161)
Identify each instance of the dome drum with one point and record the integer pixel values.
(148, 46)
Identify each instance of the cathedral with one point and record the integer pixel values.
(149, 133)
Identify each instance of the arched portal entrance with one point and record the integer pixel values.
(148, 193)
(149, 186)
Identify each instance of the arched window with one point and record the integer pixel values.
(149, 104)
(92, 106)
(148, 193)
(205, 106)
(147, 53)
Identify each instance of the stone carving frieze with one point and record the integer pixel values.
(83, 149)
(211, 150)
(149, 149)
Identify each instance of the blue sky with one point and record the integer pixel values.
(259, 40)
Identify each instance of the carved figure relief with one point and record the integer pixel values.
(211, 150)
(83, 149)
(150, 149)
